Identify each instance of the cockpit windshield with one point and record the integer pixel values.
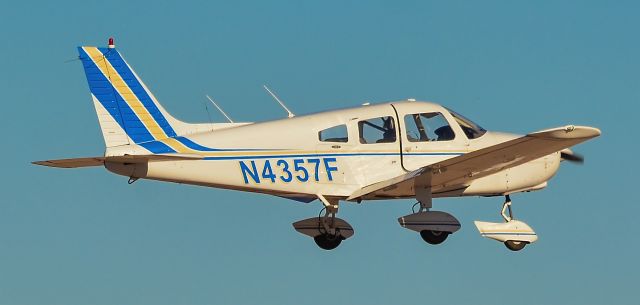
(471, 129)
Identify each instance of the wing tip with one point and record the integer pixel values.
(568, 132)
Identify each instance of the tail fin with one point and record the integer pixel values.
(127, 111)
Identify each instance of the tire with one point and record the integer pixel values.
(515, 245)
(434, 237)
(327, 241)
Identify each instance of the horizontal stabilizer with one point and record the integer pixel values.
(99, 161)
(72, 163)
(152, 158)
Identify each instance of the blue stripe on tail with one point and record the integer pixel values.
(119, 110)
(134, 84)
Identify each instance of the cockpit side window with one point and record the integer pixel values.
(334, 134)
(425, 127)
(471, 129)
(377, 130)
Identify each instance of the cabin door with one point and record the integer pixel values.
(427, 135)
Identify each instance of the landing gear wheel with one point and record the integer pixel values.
(434, 237)
(327, 241)
(514, 245)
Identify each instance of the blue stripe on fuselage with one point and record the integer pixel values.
(194, 145)
(321, 155)
(157, 147)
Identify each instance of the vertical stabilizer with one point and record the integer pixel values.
(127, 111)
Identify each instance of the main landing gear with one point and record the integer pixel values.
(327, 230)
(513, 233)
(330, 235)
(434, 237)
(434, 226)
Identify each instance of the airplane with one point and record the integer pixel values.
(403, 149)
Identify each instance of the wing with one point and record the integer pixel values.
(461, 170)
(99, 161)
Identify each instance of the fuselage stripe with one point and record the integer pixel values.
(312, 155)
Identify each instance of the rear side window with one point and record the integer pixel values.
(378, 130)
(334, 134)
(425, 127)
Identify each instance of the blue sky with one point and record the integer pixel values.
(86, 237)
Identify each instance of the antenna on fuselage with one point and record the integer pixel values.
(275, 97)
(219, 109)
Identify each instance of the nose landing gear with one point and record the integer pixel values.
(514, 245)
(513, 233)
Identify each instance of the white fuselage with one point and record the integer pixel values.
(287, 157)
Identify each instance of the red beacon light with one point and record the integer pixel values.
(111, 44)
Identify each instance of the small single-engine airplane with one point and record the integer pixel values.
(403, 149)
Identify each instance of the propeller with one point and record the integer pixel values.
(569, 155)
